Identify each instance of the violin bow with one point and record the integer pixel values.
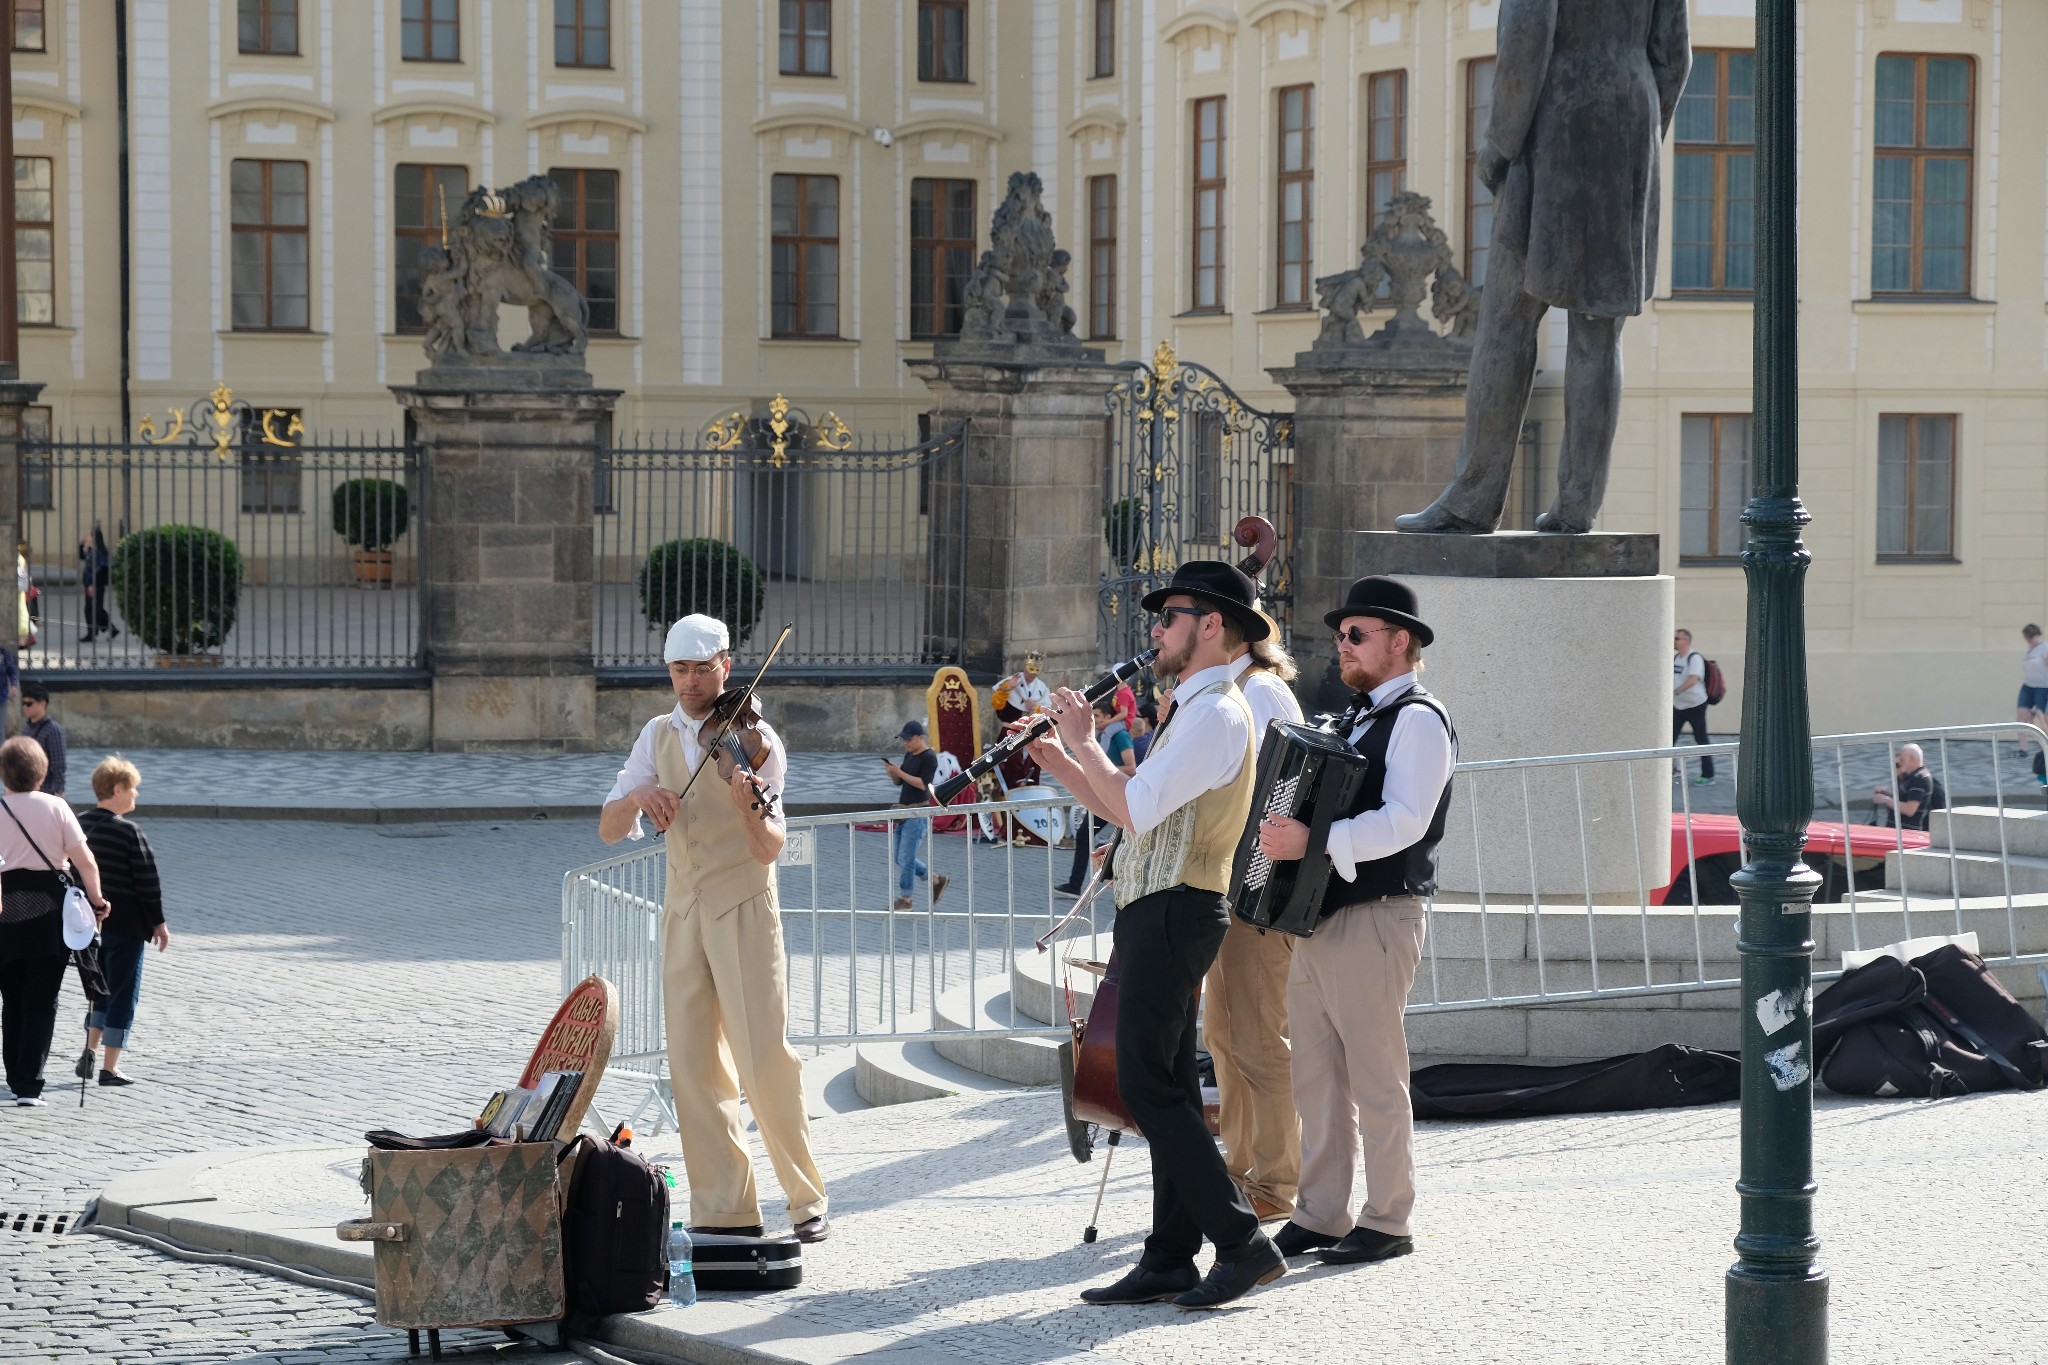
(725, 726)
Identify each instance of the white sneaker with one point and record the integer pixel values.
(29, 1102)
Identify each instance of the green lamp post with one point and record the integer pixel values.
(1776, 1292)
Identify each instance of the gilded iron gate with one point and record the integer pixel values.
(1187, 459)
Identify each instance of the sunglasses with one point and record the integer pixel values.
(1164, 617)
(1354, 636)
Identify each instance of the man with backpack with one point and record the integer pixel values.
(1689, 699)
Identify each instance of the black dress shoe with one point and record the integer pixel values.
(814, 1229)
(1144, 1286)
(750, 1230)
(114, 1078)
(1363, 1245)
(1068, 888)
(1228, 1281)
(1296, 1240)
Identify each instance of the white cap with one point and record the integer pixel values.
(694, 638)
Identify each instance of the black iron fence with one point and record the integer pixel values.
(761, 522)
(227, 541)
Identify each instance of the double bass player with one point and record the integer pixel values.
(1182, 814)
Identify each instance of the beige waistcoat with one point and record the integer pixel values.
(1194, 845)
(709, 863)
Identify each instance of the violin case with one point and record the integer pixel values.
(720, 1262)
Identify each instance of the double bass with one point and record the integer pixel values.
(1088, 1064)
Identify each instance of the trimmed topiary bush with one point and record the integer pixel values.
(371, 513)
(1122, 525)
(178, 587)
(701, 575)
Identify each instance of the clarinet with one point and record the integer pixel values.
(1000, 751)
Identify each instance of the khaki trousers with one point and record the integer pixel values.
(1345, 995)
(726, 1006)
(1244, 1022)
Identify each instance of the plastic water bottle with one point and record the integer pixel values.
(682, 1279)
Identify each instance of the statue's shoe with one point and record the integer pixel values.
(1436, 519)
(1550, 523)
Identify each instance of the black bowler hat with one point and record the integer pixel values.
(1221, 586)
(1390, 601)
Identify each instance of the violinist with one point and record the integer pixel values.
(723, 987)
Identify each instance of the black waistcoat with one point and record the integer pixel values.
(1410, 871)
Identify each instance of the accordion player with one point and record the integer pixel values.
(1308, 774)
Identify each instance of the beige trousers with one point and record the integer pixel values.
(726, 1005)
(1244, 1022)
(1345, 996)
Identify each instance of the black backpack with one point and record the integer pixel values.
(614, 1230)
(1940, 1025)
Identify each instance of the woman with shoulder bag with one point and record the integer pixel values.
(38, 833)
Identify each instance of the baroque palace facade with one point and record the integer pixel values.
(787, 197)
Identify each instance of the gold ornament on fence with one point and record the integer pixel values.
(222, 421)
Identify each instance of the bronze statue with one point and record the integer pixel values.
(1583, 93)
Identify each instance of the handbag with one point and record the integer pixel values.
(81, 922)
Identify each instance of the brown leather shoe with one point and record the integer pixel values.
(1270, 1212)
(938, 886)
(901, 903)
(814, 1229)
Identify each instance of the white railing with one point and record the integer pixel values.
(1571, 878)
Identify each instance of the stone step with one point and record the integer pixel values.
(905, 1072)
(1973, 874)
(1975, 828)
(1038, 985)
(970, 1034)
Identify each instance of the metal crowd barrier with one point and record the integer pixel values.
(1571, 878)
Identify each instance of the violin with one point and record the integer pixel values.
(740, 744)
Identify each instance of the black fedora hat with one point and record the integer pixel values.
(1221, 586)
(1391, 601)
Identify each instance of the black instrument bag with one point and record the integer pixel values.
(727, 1263)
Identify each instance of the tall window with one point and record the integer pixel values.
(804, 241)
(1386, 140)
(1916, 485)
(586, 231)
(941, 254)
(942, 40)
(430, 30)
(1920, 243)
(583, 32)
(35, 241)
(1296, 194)
(1105, 38)
(1713, 486)
(1209, 187)
(426, 198)
(1478, 198)
(30, 34)
(266, 27)
(1713, 189)
(806, 37)
(270, 474)
(267, 201)
(1101, 256)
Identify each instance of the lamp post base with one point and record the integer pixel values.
(1777, 1319)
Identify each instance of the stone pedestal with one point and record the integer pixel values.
(1370, 443)
(16, 395)
(504, 509)
(1028, 525)
(1547, 645)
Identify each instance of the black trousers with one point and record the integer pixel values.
(1085, 826)
(1165, 944)
(1696, 717)
(29, 987)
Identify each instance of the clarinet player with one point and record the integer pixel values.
(1182, 814)
(1347, 985)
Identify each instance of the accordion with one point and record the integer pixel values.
(1305, 774)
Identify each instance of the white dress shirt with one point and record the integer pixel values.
(1269, 698)
(1203, 751)
(1420, 756)
(639, 770)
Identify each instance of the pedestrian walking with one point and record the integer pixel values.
(2033, 706)
(47, 733)
(1115, 739)
(914, 777)
(128, 876)
(1689, 699)
(37, 837)
(95, 570)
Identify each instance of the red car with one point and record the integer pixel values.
(1717, 854)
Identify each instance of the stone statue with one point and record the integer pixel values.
(1017, 296)
(1583, 93)
(498, 251)
(1402, 253)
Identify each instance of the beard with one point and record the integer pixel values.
(1172, 665)
(1355, 677)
